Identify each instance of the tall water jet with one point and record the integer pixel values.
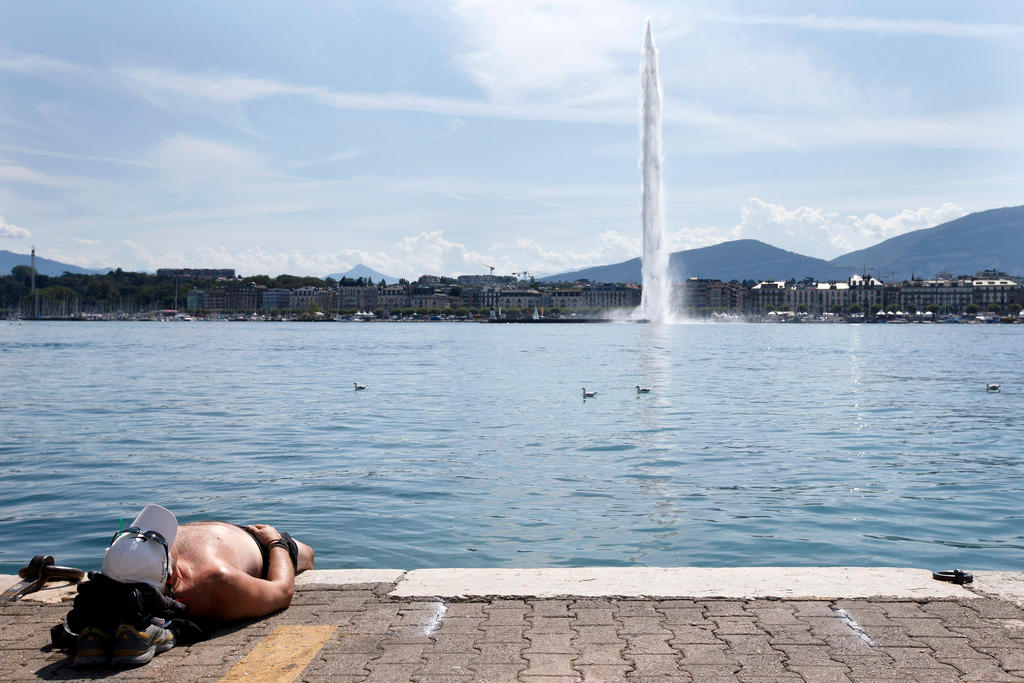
(655, 300)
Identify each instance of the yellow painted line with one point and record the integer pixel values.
(281, 656)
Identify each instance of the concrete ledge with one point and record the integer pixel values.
(681, 582)
(342, 577)
(52, 592)
(1005, 585)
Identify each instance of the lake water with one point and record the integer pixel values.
(473, 447)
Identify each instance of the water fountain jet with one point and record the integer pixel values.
(655, 301)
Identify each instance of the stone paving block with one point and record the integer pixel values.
(827, 626)
(465, 609)
(813, 655)
(340, 664)
(428, 678)
(455, 643)
(711, 672)
(598, 673)
(502, 634)
(724, 608)
(548, 679)
(792, 635)
(864, 613)
(353, 642)
(903, 609)
(506, 617)
(1011, 659)
(498, 673)
(874, 667)
(551, 625)
(782, 615)
(891, 636)
(822, 674)
(675, 603)
(391, 673)
(654, 665)
(956, 647)
(399, 653)
(648, 645)
(375, 618)
(988, 637)
(549, 608)
(684, 633)
(926, 675)
(593, 603)
(594, 617)
(705, 654)
(547, 665)
(812, 608)
(913, 658)
(980, 670)
(447, 664)
(596, 634)
(460, 624)
(736, 625)
(551, 643)
(505, 603)
(692, 616)
(599, 654)
(642, 625)
(954, 614)
(750, 645)
(500, 653)
(851, 644)
(991, 608)
(761, 667)
(636, 608)
(409, 635)
(923, 627)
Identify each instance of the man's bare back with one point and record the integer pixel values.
(218, 569)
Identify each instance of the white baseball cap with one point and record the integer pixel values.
(141, 553)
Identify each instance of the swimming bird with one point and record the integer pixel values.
(642, 390)
(358, 386)
(588, 394)
(992, 386)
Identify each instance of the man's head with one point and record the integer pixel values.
(141, 553)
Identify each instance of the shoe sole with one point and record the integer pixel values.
(138, 659)
(90, 660)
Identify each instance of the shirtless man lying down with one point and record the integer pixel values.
(220, 571)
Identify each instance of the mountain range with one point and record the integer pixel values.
(365, 272)
(44, 266)
(992, 239)
(986, 239)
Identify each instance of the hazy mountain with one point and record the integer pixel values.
(44, 266)
(735, 260)
(365, 272)
(977, 241)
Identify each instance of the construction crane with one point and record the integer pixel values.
(487, 266)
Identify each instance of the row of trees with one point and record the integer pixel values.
(120, 290)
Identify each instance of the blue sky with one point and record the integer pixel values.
(434, 137)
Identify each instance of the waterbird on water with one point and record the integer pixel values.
(588, 394)
(642, 390)
(358, 386)
(992, 386)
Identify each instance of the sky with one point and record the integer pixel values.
(444, 137)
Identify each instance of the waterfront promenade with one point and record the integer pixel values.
(598, 624)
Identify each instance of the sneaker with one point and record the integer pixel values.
(133, 647)
(93, 647)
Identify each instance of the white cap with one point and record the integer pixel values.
(133, 559)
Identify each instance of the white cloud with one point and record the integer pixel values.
(13, 231)
(827, 234)
(925, 27)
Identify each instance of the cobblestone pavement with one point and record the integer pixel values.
(370, 637)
